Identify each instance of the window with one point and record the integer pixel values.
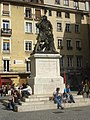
(67, 29)
(28, 66)
(67, 15)
(82, 16)
(28, 27)
(58, 14)
(5, 30)
(37, 1)
(37, 14)
(50, 13)
(37, 29)
(5, 9)
(77, 28)
(79, 61)
(28, 13)
(6, 65)
(59, 27)
(28, 45)
(60, 43)
(66, 2)
(62, 61)
(87, 6)
(57, 2)
(6, 25)
(69, 45)
(76, 5)
(78, 45)
(6, 45)
(70, 61)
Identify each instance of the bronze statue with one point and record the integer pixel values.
(45, 40)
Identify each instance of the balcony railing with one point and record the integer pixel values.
(6, 32)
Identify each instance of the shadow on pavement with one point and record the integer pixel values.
(58, 112)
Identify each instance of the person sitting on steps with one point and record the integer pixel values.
(67, 93)
(58, 98)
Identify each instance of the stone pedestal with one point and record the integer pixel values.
(45, 73)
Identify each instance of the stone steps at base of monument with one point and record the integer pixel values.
(77, 100)
(82, 100)
(36, 107)
(30, 99)
(78, 104)
(48, 105)
(43, 97)
(43, 102)
(36, 102)
(40, 95)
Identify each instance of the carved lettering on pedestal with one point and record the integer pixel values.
(48, 68)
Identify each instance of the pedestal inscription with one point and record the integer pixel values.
(45, 73)
(47, 67)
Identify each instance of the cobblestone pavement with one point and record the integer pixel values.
(82, 113)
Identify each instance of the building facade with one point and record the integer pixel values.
(71, 38)
(18, 20)
(88, 20)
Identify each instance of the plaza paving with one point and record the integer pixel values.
(81, 113)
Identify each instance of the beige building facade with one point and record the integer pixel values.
(18, 20)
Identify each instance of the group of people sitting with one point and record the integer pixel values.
(16, 94)
(65, 97)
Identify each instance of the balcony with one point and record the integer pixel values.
(6, 32)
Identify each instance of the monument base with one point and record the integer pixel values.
(45, 73)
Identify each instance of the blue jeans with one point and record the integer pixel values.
(10, 106)
(14, 106)
(58, 100)
(69, 97)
